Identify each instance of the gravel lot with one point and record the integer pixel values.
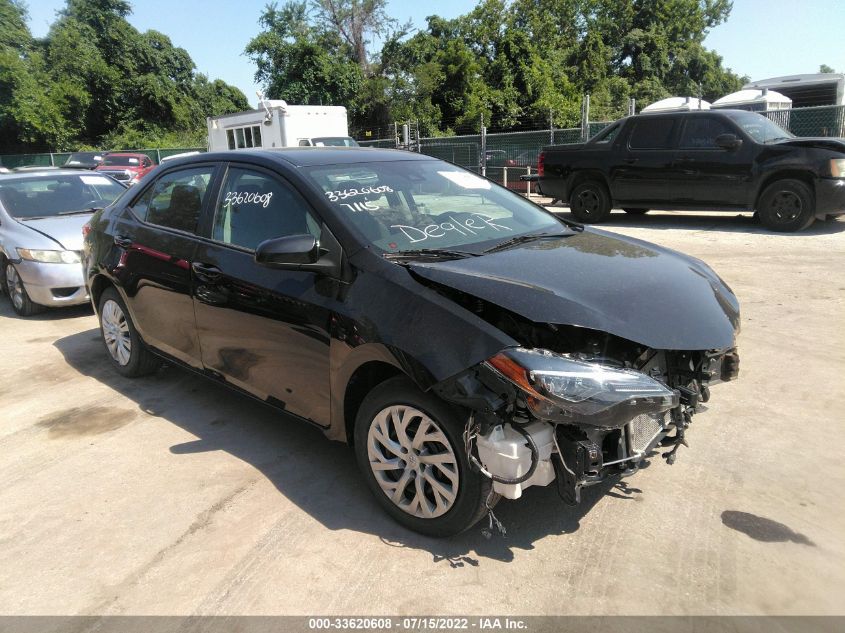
(171, 495)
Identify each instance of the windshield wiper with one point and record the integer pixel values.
(81, 211)
(435, 253)
(521, 239)
(778, 138)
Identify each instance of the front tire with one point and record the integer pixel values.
(409, 447)
(590, 202)
(21, 303)
(127, 352)
(786, 206)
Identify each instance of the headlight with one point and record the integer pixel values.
(49, 257)
(563, 389)
(837, 167)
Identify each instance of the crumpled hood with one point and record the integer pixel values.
(626, 287)
(823, 142)
(66, 230)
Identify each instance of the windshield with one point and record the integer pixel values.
(56, 195)
(414, 204)
(760, 128)
(122, 161)
(335, 141)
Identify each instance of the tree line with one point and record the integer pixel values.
(96, 81)
(517, 63)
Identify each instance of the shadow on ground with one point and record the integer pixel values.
(318, 475)
(727, 222)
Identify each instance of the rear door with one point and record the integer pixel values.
(641, 172)
(156, 237)
(264, 330)
(708, 173)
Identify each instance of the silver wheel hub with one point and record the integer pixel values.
(116, 332)
(14, 286)
(413, 461)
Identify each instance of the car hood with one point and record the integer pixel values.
(64, 230)
(823, 142)
(626, 287)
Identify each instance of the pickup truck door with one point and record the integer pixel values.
(640, 170)
(710, 174)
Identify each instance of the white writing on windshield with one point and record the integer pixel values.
(473, 225)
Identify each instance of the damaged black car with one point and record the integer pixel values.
(466, 342)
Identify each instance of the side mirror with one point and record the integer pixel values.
(728, 141)
(288, 251)
(302, 252)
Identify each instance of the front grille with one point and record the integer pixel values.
(643, 429)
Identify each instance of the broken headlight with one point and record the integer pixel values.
(562, 389)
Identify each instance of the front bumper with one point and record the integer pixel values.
(53, 285)
(830, 196)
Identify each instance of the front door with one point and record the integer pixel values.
(263, 329)
(711, 174)
(156, 238)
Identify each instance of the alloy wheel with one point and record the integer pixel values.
(413, 461)
(116, 332)
(14, 286)
(589, 200)
(786, 206)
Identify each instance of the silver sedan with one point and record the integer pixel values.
(41, 218)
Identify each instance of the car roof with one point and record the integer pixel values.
(310, 156)
(35, 173)
(126, 153)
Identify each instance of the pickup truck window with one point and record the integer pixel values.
(760, 128)
(701, 132)
(652, 133)
(607, 135)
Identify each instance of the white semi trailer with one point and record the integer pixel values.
(277, 124)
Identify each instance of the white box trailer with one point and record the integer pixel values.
(277, 124)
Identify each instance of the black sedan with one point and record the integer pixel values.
(466, 342)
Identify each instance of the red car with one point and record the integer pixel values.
(126, 167)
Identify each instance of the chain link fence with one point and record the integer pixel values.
(57, 159)
(502, 156)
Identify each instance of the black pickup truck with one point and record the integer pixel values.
(722, 160)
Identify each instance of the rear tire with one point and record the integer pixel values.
(425, 485)
(786, 206)
(127, 352)
(636, 211)
(590, 202)
(13, 285)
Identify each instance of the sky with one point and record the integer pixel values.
(761, 39)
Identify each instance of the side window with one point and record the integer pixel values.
(175, 199)
(652, 133)
(254, 207)
(701, 132)
(304, 142)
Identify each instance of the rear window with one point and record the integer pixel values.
(122, 161)
(61, 194)
(652, 133)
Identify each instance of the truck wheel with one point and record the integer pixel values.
(636, 211)
(590, 202)
(409, 447)
(786, 206)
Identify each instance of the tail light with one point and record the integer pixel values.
(541, 163)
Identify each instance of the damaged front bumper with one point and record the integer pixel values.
(539, 417)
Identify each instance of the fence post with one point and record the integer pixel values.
(158, 156)
(52, 162)
(528, 183)
(483, 157)
(585, 118)
(505, 177)
(632, 106)
(551, 127)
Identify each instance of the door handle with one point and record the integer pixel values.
(630, 161)
(123, 241)
(206, 271)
